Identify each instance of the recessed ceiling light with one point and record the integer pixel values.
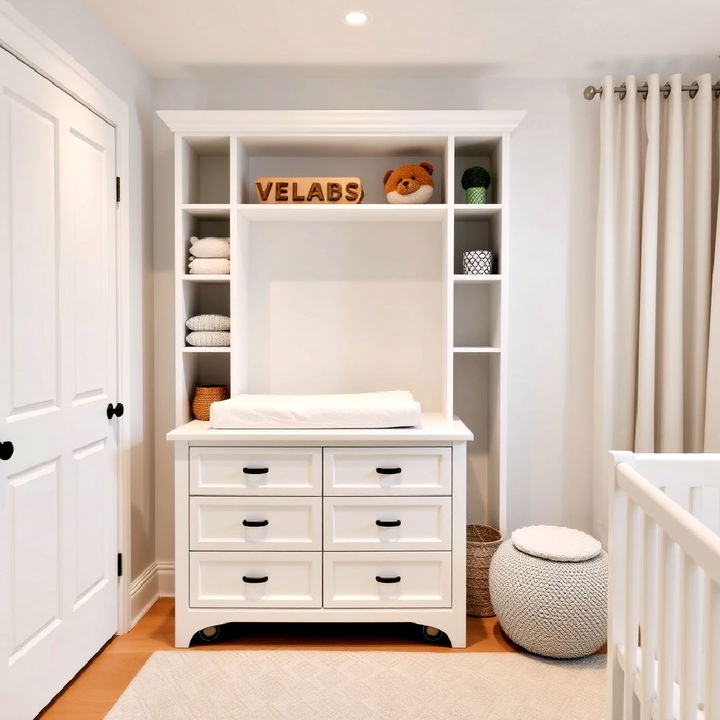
(356, 18)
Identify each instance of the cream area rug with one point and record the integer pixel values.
(314, 685)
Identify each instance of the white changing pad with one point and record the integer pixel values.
(397, 408)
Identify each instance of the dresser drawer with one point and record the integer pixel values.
(255, 471)
(360, 523)
(387, 471)
(249, 523)
(256, 579)
(383, 580)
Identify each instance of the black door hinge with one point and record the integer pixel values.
(120, 565)
(117, 189)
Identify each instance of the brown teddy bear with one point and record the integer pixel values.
(409, 184)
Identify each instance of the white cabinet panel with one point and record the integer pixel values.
(383, 580)
(421, 523)
(255, 471)
(233, 523)
(387, 471)
(94, 501)
(34, 258)
(35, 564)
(93, 269)
(228, 579)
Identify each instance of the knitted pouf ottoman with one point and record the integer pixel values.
(548, 586)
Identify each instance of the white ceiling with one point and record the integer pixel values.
(567, 38)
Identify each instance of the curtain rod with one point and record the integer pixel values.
(591, 91)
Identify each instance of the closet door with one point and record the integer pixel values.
(58, 472)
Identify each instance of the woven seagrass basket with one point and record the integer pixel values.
(204, 396)
(482, 542)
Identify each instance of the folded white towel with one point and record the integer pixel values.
(208, 338)
(210, 247)
(208, 322)
(209, 266)
(397, 408)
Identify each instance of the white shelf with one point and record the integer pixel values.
(349, 213)
(207, 210)
(207, 278)
(476, 279)
(325, 285)
(191, 349)
(476, 350)
(476, 211)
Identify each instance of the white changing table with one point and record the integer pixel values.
(320, 526)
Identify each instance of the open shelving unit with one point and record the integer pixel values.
(352, 298)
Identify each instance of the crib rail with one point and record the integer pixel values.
(664, 632)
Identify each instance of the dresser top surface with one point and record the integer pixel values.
(435, 428)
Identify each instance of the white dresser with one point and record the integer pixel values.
(363, 525)
(320, 526)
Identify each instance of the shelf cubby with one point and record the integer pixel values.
(477, 316)
(477, 399)
(206, 160)
(202, 221)
(201, 368)
(205, 298)
(478, 234)
(485, 151)
(363, 156)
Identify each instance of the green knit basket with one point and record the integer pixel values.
(476, 195)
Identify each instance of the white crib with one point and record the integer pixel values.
(664, 628)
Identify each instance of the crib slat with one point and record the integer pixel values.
(689, 618)
(711, 623)
(648, 617)
(632, 602)
(666, 626)
(616, 600)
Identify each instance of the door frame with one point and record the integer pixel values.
(30, 45)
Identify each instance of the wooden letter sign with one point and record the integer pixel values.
(328, 190)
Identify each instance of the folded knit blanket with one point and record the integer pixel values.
(209, 338)
(210, 247)
(209, 266)
(208, 322)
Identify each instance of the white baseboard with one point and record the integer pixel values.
(155, 581)
(166, 578)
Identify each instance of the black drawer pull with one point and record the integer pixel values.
(255, 471)
(251, 580)
(381, 579)
(387, 523)
(388, 471)
(255, 523)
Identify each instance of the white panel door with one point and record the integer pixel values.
(58, 490)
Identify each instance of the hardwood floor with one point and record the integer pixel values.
(96, 688)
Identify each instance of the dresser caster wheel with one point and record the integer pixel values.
(432, 634)
(209, 634)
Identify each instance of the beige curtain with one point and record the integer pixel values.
(657, 305)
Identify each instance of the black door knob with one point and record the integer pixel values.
(116, 411)
(6, 450)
